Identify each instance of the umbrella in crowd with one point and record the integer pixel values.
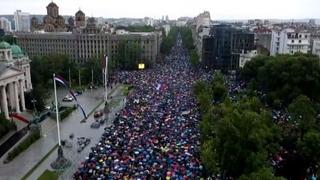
(156, 135)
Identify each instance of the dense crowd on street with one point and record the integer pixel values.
(156, 135)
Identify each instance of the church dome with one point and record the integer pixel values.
(4, 45)
(52, 4)
(16, 51)
(80, 13)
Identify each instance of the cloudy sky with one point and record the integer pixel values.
(219, 9)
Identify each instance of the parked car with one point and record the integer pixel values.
(67, 98)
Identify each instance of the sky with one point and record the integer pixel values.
(219, 9)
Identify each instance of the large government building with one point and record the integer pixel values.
(83, 40)
(81, 47)
(15, 78)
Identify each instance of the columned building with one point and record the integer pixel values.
(15, 78)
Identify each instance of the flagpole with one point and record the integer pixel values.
(79, 77)
(69, 77)
(57, 110)
(103, 77)
(106, 79)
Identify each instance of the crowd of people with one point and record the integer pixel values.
(156, 135)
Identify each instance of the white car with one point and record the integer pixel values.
(67, 98)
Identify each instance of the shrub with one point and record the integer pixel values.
(67, 112)
(33, 136)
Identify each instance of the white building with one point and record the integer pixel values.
(289, 41)
(316, 47)
(15, 78)
(5, 24)
(201, 28)
(22, 21)
(203, 19)
(245, 57)
(148, 21)
(166, 28)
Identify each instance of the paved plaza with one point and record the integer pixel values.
(30, 157)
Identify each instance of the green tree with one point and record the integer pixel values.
(284, 77)
(309, 146)
(194, 58)
(261, 174)
(243, 142)
(303, 113)
(129, 56)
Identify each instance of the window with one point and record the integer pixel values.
(299, 41)
(306, 36)
(292, 41)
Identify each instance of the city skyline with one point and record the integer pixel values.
(219, 10)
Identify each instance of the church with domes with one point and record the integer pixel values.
(53, 22)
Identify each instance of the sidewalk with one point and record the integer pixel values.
(17, 168)
(83, 130)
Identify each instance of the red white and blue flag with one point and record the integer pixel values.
(65, 83)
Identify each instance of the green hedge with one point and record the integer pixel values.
(32, 137)
(5, 125)
(49, 175)
(67, 112)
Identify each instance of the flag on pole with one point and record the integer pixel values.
(61, 80)
(65, 83)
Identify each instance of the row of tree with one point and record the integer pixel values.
(169, 41)
(284, 77)
(244, 138)
(237, 138)
(187, 40)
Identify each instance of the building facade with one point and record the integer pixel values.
(290, 41)
(82, 47)
(316, 47)
(15, 78)
(5, 24)
(200, 28)
(263, 39)
(222, 49)
(22, 21)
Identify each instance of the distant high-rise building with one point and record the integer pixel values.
(5, 24)
(22, 21)
(312, 22)
(148, 21)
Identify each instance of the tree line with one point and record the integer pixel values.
(187, 41)
(241, 137)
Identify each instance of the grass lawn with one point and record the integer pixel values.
(48, 175)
